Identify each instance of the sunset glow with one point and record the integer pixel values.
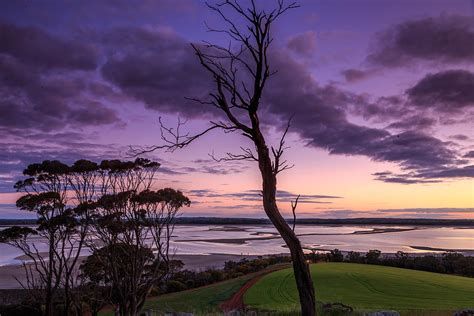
(383, 117)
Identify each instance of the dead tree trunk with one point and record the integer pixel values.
(301, 270)
(238, 98)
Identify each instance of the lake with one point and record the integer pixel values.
(263, 239)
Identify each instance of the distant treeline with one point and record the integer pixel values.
(449, 262)
(301, 221)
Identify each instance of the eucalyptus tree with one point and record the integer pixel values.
(55, 192)
(133, 225)
(240, 72)
(107, 208)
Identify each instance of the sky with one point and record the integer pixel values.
(381, 94)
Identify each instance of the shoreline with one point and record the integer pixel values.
(10, 273)
(241, 241)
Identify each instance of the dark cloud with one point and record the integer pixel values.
(156, 67)
(413, 123)
(255, 195)
(34, 47)
(425, 104)
(69, 15)
(356, 75)
(407, 178)
(320, 119)
(207, 166)
(383, 110)
(303, 44)
(461, 172)
(447, 38)
(430, 175)
(459, 137)
(469, 154)
(446, 91)
(44, 82)
(412, 150)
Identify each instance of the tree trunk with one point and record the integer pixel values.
(49, 281)
(303, 279)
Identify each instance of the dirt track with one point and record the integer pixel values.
(237, 300)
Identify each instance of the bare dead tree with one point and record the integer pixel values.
(240, 73)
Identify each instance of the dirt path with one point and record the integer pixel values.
(237, 300)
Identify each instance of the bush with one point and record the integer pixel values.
(175, 286)
(373, 256)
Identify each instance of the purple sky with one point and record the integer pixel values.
(382, 94)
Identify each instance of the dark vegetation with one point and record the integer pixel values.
(183, 279)
(96, 294)
(108, 208)
(449, 262)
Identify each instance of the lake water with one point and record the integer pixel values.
(262, 239)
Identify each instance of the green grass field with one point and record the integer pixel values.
(201, 300)
(366, 287)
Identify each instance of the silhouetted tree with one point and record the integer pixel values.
(60, 225)
(131, 233)
(91, 205)
(373, 256)
(401, 259)
(240, 76)
(354, 256)
(336, 255)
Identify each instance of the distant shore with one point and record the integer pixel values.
(241, 241)
(302, 221)
(10, 273)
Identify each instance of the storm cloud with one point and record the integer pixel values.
(446, 91)
(446, 38)
(44, 82)
(48, 83)
(156, 67)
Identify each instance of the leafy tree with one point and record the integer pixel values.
(87, 206)
(354, 256)
(46, 194)
(401, 258)
(131, 233)
(336, 255)
(373, 256)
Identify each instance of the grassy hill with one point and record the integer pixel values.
(366, 287)
(200, 301)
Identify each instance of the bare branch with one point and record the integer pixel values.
(173, 139)
(247, 155)
(293, 210)
(280, 165)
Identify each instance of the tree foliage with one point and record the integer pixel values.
(107, 208)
